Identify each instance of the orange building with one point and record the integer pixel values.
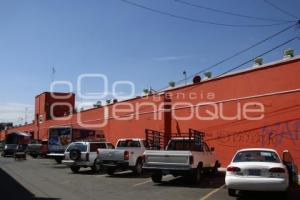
(256, 107)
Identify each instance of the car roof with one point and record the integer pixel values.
(257, 149)
(124, 139)
(84, 142)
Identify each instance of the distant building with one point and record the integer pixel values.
(4, 126)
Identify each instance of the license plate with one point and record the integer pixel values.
(254, 172)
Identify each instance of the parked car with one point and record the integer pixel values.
(37, 148)
(20, 153)
(84, 154)
(257, 169)
(128, 155)
(9, 149)
(182, 157)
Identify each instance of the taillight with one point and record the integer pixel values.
(126, 155)
(191, 160)
(87, 157)
(233, 169)
(277, 170)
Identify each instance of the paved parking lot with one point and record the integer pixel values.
(43, 179)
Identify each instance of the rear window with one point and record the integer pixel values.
(184, 145)
(79, 146)
(257, 156)
(129, 143)
(95, 146)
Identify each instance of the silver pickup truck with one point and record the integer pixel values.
(128, 155)
(182, 157)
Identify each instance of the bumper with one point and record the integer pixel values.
(115, 164)
(8, 152)
(256, 184)
(76, 163)
(168, 170)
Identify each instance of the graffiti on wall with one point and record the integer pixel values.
(274, 135)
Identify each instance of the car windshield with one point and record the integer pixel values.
(256, 156)
(79, 146)
(129, 143)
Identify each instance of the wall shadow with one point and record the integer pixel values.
(12, 190)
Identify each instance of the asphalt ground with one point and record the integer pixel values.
(43, 179)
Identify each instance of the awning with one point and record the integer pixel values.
(20, 134)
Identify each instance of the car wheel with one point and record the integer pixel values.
(110, 171)
(156, 178)
(138, 170)
(215, 168)
(96, 167)
(58, 160)
(34, 156)
(195, 177)
(75, 169)
(232, 192)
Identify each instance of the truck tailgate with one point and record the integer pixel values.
(167, 157)
(111, 155)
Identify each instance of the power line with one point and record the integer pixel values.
(229, 13)
(282, 10)
(274, 48)
(198, 20)
(238, 53)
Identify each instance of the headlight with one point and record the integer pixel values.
(5, 147)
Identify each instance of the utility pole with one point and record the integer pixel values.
(53, 73)
(25, 117)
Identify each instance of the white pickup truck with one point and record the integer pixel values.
(128, 155)
(182, 157)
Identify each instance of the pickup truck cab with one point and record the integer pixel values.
(84, 154)
(182, 157)
(37, 148)
(128, 155)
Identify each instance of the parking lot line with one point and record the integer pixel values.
(212, 192)
(142, 183)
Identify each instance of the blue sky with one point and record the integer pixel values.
(124, 42)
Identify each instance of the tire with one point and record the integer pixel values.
(283, 195)
(34, 155)
(195, 177)
(231, 192)
(215, 168)
(96, 167)
(110, 171)
(58, 160)
(156, 178)
(75, 169)
(138, 169)
(75, 154)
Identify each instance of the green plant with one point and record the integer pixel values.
(172, 84)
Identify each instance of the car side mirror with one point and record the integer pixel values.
(212, 149)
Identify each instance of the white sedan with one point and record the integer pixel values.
(256, 169)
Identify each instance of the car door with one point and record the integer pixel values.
(291, 166)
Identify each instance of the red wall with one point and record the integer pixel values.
(278, 129)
